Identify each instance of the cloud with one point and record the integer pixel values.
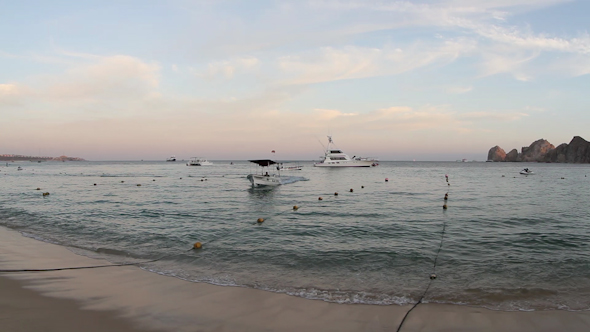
(8, 90)
(118, 77)
(353, 62)
(497, 62)
(497, 116)
(11, 94)
(228, 68)
(325, 114)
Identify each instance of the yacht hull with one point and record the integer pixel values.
(348, 163)
(262, 180)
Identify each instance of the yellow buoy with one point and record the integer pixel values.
(295, 207)
(45, 194)
(319, 198)
(198, 245)
(260, 220)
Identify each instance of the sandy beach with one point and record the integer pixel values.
(128, 298)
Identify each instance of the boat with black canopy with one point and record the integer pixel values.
(268, 176)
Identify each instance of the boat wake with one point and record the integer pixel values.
(292, 179)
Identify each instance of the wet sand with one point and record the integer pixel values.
(130, 299)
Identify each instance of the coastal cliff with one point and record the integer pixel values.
(577, 151)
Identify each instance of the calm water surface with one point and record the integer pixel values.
(511, 242)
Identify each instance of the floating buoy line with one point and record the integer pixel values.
(196, 245)
(433, 275)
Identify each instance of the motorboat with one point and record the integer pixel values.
(287, 167)
(336, 158)
(19, 168)
(173, 158)
(527, 171)
(264, 178)
(198, 161)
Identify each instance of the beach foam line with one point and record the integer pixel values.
(154, 301)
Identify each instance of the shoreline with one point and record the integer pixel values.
(131, 299)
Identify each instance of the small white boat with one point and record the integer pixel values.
(173, 158)
(198, 161)
(527, 171)
(264, 178)
(287, 167)
(336, 158)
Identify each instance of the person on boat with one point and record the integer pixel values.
(266, 174)
(526, 170)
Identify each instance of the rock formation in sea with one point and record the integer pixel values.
(496, 154)
(512, 155)
(577, 151)
(536, 151)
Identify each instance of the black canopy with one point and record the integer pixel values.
(263, 162)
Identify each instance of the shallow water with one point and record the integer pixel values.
(511, 242)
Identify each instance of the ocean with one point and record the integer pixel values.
(505, 242)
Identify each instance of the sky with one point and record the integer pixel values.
(234, 80)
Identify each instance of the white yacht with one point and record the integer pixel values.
(198, 161)
(173, 158)
(264, 178)
(336, 158)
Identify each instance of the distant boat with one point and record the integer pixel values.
(173, 158)
(336, 158)
(264, 178)
(287, 167)
(198, 161)
(19, 168)
(527, 171)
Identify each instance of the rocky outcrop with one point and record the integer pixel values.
(512, 155)
(577, 151)
(536, 151)
(496, 154)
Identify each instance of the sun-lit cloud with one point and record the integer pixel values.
(120, 77)
(11, 94)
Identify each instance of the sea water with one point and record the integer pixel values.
(507, 241)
